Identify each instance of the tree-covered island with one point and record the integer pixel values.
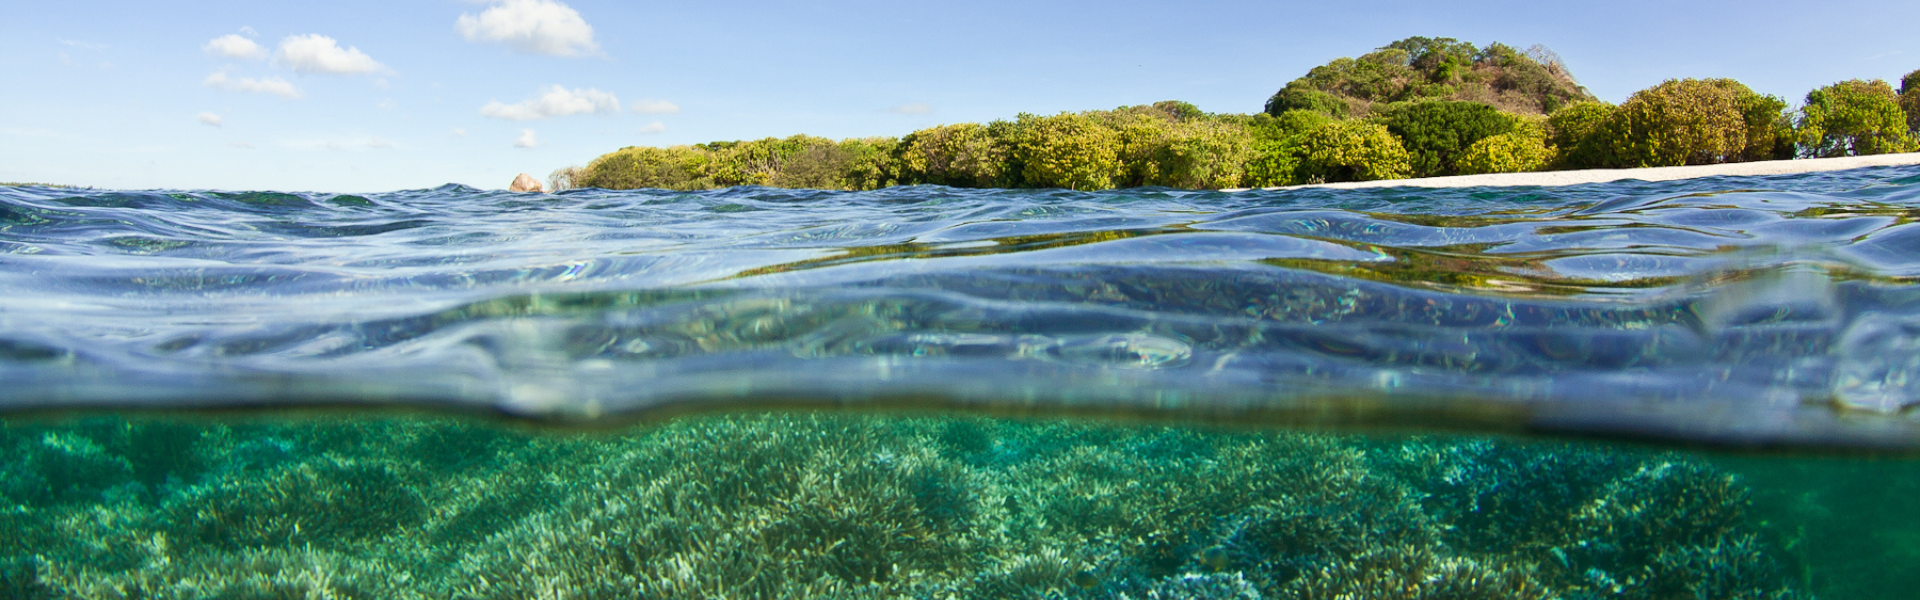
(1418, 107)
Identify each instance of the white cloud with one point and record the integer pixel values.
(85, 45)
(233, 46)
(459, 132)
(654, 127)
(249, 31)
(532, 26)
(557, 102)
(375, 142)
(247, 145)
(526, 139)
(315, 53)
(651, 106)
(208, 118)
(911, 108)
(271, 85)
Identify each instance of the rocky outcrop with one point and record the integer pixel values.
(525, 183)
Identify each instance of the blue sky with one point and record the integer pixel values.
(353, 96)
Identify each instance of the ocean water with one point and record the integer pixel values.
(1689, 389)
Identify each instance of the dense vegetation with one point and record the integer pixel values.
(1419, 107)
(857, 506)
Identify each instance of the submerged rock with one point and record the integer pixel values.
(525, 183)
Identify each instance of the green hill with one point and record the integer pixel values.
(1417, 68)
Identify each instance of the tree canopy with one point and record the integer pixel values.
(1419, 68)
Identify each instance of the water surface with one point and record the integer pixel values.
(1759, 310)
(1384, 393)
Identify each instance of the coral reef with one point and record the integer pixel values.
(854, 506)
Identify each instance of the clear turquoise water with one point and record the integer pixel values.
(1709, 318)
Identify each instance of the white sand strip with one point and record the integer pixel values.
(1549, 178)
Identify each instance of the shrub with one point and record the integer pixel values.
(1769, 129)
(1279, 143)
(1533, 82)
(676, 168)
(963, 155)
(872, 164)
(1854, 118)
(565, 178)
(757, 162)
(1352, 151)
(1580, 137)
(1434, 133)
(1910, 100)
(1191, 154)
(820, 167)
(1066, 150)
(1687, 122)
(1520, 150)
(1298, 96)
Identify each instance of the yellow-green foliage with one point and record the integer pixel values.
(1854, 118)
(1520, 150)
(871, 163)
(800, 161)
(1066, 150)
(1441, 100)
(1192, 154)
(1416, 68)
(1279, 143)
(633, 167)
(1579, 136)
(761, 162)
(1694, 122)
(1910, 100)
(1352, 151)
(963, 155)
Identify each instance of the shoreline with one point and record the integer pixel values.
(1558, 178)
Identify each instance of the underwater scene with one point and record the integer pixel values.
(1692, 389)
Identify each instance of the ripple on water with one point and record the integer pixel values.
(1776, 309)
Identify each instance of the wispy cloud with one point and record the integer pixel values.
(526, 139)
(556, 102)
(232, 45)
(315, 53)
(271, 85)
(911, 108)
(368, 142)
(654, 127)
(649, 106)
(458, 132)
(247, 145)
(207, 118)
(84, 45)
(531, 26)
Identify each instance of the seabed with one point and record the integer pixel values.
(839, 505)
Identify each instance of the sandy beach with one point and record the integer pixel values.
(1551, 178)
